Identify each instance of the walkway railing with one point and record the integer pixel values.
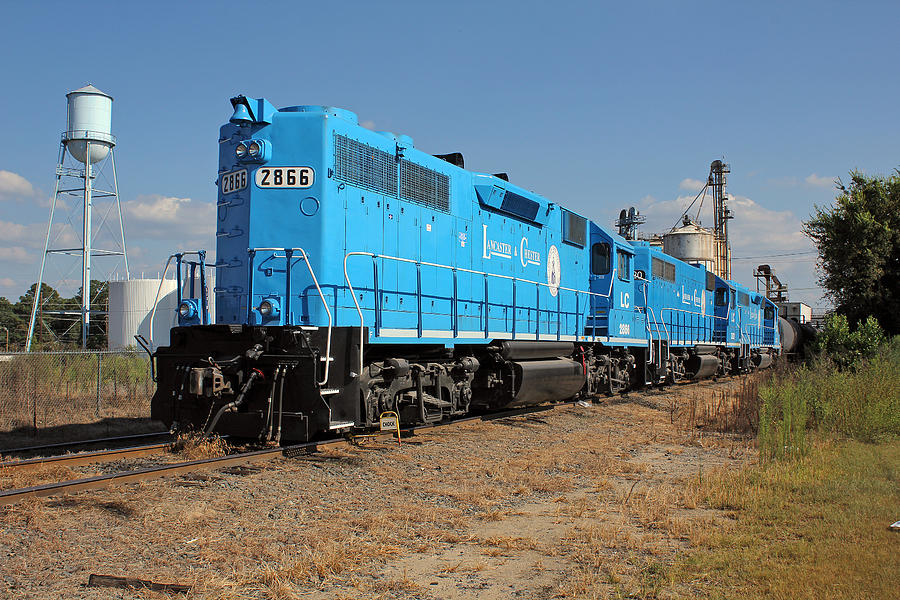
(455, 300)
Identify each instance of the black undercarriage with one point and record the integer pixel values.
(278, 384)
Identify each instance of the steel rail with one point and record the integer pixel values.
(84, 458)
(108, 480)
(75, 444)
(105, 481)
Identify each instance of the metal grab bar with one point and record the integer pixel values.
(204, 309)
(692, 314)
(455, 270)
(288, 255)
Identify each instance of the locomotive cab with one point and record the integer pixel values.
(613, 312)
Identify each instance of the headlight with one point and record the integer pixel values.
(254, 149)
(266, 308)
(240, 151)
(185, 310)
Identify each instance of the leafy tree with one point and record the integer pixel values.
(53, 328)
(11, 320)
(859, 244)
(845, 347)
(48, 327)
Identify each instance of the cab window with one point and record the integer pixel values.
(624, 265)
(600, 259)
(722, 297)
(770, 313)
(732, 298)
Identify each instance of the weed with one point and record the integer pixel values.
(817, 511)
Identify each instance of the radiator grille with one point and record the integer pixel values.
(424, 186)
(364, 166)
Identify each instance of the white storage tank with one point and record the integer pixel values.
(131, 308)
(89, 121)
(692, 244)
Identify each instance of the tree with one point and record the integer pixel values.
(859, 246)
(13, 322)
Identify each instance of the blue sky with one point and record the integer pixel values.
(596, 105)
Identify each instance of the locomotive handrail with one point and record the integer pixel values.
(690, 312)
(419, 264)
(204, 310)
(650, 332)
(288, 255)
(648, 313)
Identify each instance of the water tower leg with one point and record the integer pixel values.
(112, 157)
(40, 281)
(86, 252)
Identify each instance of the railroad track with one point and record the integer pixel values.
(112, 479)
(63, 446)
(83, 458)
(104, 481)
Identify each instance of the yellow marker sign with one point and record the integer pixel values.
(390, 421)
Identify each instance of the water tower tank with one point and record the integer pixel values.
(89, 121)
(692, 244)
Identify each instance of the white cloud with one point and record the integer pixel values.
(15, 254)
(755, 231)
(817, 181)
(168, 217)
(13, 185)
(368, 125)
(692, 185)
(33, 235)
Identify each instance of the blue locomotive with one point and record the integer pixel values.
(357, 275)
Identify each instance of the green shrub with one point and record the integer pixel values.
(846, 348)
(862, 402)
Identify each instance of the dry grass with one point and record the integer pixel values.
(466, 500)
(194, 446)
(11, 478)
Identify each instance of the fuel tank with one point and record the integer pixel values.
(762, 361)
(539, 381)
(699, 366)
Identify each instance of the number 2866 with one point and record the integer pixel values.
(285, 177)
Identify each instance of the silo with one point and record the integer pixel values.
(130, 307)
(692, 244)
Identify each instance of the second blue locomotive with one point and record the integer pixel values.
(357, 275)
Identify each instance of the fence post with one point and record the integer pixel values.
(99, 373)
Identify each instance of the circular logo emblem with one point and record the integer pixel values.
(554, 271)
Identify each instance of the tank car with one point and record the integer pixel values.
(357, 275)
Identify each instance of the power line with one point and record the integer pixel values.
(776, 255)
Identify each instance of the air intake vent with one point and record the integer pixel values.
(424, 186)
(364, 166)
(520, 206)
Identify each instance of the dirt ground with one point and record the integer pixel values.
(574, 502)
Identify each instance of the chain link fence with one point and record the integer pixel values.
(48, 397)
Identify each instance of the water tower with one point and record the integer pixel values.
(89, 141)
